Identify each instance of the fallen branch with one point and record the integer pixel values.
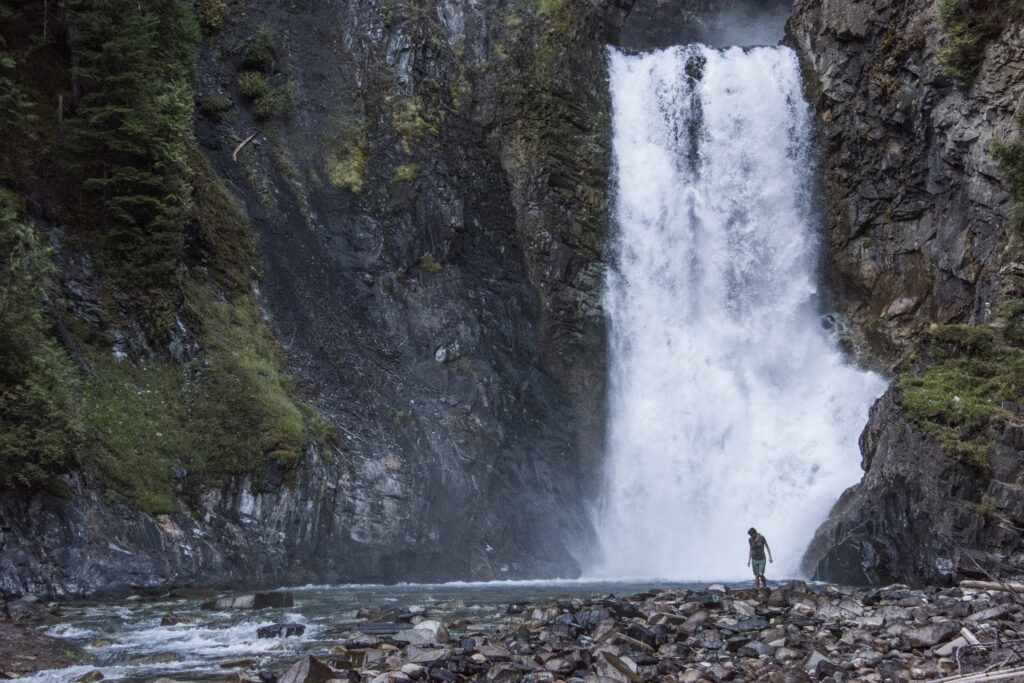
(993, 586)
(243, 143)
(1016, 673)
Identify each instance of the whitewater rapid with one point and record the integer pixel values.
(730, 405)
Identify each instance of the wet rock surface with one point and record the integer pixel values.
(24, 650)
(918, 516)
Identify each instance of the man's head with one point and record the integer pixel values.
(752, 531)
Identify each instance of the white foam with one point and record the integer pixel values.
(729, 406)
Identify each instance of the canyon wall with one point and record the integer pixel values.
(918, 243)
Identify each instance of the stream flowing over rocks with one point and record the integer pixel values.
(790, 633)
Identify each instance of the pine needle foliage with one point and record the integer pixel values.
(133, 63)
(39, 419)
(969, 26)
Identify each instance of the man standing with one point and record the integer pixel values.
(758, 545)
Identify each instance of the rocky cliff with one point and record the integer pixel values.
(428, 186)
(917, 231)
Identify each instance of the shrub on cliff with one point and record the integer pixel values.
(1010, 156)
(969, 26)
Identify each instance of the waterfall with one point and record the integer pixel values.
(729, 404)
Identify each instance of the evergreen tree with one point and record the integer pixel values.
(39, 424)
(133, 63)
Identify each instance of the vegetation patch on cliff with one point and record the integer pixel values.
(40, 426)
(179, 383)
(963, 382)
(1010, 156)
(969, 26)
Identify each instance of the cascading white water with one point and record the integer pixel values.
(729, 404)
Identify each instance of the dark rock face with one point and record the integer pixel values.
(916, 207)
(919, 516)
(430, 196)
(718, 23)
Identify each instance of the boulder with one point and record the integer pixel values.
(697, 620)
(252, 601)
(24, 651)
(427, 632)
(28, 608)
(172, 619)
(280, 631)
(307, 670)
(931, 634)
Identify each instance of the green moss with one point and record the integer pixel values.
(157, 430)
(429, 265)
(348, 170)
(555, 14)
(221, 232)
(962, 390)
(955, 341)
(345, 159)
(406, 173)
(252, 84)
(212, 15)
(409, 123)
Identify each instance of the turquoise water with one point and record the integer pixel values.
(126, 637)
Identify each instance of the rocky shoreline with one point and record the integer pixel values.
(791, 632)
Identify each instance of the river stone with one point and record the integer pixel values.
(743, 609)
(698, 619)
(755, 624)
(621, 669)
(504, 672)
(307, 670)
(949, 648)
(990, 613)
(785, 654)
(560, 665)
(755, 648)
(28, 608)
(428, 632)
(932, 634)
(91, 677)
(160, 658)
(280, 631)
(172, 619)
(815, 658)
(378, 628)
(252, 601)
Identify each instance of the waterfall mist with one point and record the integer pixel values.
(729, 404)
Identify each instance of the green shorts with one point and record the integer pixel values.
(758, 566)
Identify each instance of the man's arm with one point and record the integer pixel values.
(769, 551)
(750, 554)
